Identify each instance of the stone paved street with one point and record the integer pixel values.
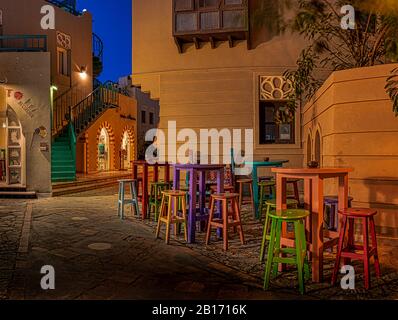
(97, 256)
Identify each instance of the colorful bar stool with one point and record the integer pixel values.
(294, 184)
(331, 209)
(263, 186)
(170, 213)
(122, 201)
(271, 204)
(228, 219)
(298, 253)
(155, 197)
(350, 251)
(241, 183)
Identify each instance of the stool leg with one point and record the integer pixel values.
(265, 232)
(252, 197)
(307, 274)
(366, 252)
(240, 195)
(374, 245)
(339, 250)
(118, 202)
(225, 224)
(299, 255)
(211, 215)
(135, 195)
(261, 204)
(270, 256)
(123, 189)
(350, 239)
(132, 198)
(162, 211)
(184, 215)
(296, 192)
(238, 218)
(277, 245)
(169, 212)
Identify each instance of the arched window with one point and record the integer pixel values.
(309, 148)
(318, 146)
(103, 151)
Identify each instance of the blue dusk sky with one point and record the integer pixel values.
(112, 22)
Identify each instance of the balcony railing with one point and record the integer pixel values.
(23, 43)
(67, 5)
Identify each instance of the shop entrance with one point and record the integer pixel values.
(126, 151)
(103, 151)
(12, 149)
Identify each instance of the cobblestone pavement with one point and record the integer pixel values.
(97, 256)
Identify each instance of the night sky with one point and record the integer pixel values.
(113, 24)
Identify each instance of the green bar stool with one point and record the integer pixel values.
(155, 197)
(122, 201)
(297, 255)
(271, 204)
(264, 197)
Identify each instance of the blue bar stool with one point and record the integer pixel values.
(122, 201)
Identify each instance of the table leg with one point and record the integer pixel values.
(155, 173)
(255, 191)
(220, 189)
(307, 206)
(202, 197)
(167, 173)
(144, 191)
(317, 229)
(192, 206)
(176, 179)
(343, 193)
(135, 171)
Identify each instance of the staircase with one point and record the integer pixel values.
(71, 120)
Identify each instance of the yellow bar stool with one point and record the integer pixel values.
(170, 214)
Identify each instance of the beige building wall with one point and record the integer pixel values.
(29, 75)
(116, 122)
(22, 17)
(358, 129)
(208, 88)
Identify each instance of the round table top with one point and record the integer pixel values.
(312, 170)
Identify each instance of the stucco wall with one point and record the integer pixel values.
(78, 27)
(29, 73)
(358, 129)
(208, 88)
(116, 122)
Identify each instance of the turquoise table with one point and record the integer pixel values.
(261, 164)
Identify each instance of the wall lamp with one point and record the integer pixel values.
(83, 72)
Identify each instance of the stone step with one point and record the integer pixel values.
(18, 195)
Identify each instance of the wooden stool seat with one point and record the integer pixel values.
(227, 220)
(359, 212)
(173, 211)
(122, 201)
(277, 254)
(245, 180)
(352, 251)
(226, 189)
(222, 196)
(265, 178)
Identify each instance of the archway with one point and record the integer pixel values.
(104, 151)
(12, 149)
(318, 148)
(309, 147)
(127, 146)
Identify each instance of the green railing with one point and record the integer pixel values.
(22, 43)
(88, 110)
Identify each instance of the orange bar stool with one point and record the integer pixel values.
(228, 219)
(230, 189)
(241, 183)
(350, 251)
(172, 200)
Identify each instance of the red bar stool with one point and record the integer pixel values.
(349, 252)
(228, 218)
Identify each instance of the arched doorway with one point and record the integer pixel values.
(12, 149)
(103, 151)
(318, 147)
(126, 151)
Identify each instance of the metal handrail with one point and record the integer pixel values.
(67, 5)
(22, 43)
